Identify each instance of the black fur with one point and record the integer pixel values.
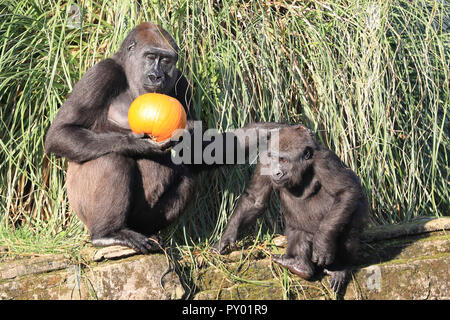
(323, 203)
(123, 186)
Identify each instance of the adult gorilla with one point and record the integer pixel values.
(123, 187)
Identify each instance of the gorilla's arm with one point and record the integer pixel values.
(235, 143)
(251, 205)
(343, 185)
(72, 134)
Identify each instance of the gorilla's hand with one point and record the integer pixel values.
(162, 146)
(224, 245)
(323, 251)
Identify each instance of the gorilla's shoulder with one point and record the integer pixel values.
(108, 65)
(107, 72)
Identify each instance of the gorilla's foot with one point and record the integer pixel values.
(128, 238)
(297, 266)
(338, 279)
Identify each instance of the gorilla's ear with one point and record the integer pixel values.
(308, 153)
(131, 46)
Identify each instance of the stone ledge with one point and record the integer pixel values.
(413, 280)
(23, 267)
(137, 277)
(419, 279)
(408, 261)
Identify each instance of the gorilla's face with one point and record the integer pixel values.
(151, 63)
(291, 156)
(157, 67)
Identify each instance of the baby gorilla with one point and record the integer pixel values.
(323, 203)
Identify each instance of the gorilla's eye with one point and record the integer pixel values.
(165, 61)
(308, 153)
(283, 160)
(150, 57)
(131, 46)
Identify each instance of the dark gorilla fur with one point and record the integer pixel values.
(324, 206)
(115, 176)
(124, 187)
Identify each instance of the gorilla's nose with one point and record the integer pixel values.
(155, 77)
(278, 174)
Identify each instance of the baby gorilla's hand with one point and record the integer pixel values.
(223, 245)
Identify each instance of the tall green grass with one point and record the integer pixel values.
(370, 77)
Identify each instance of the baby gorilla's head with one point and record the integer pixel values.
(290, 154)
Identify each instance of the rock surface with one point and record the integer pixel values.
(58, 277)
(408, 261)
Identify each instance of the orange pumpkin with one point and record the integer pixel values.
(157, 115)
